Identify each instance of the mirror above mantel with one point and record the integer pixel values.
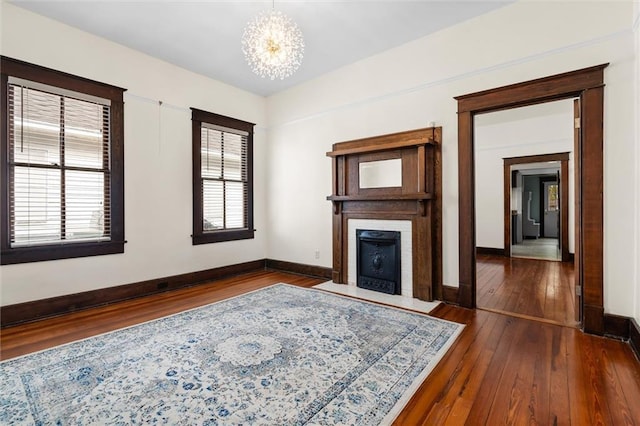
(380, 174)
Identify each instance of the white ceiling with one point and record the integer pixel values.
(204, 36)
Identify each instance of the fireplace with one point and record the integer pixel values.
(389, 180)
(378, 260)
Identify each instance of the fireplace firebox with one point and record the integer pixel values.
(378, 260)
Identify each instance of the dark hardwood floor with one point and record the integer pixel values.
(502, 369)
(538, 289)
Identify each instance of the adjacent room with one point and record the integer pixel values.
(320, 212)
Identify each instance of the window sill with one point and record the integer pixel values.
(221, 236)
(59, 251)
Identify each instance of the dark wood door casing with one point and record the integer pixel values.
(418, 200)
(563, 157)
(588, 85)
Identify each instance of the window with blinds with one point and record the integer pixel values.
(222, 178)
(58, 167)
(61, 165)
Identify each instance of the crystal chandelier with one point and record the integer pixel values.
(273, 45)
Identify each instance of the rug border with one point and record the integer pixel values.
(391, 415)
(409, 393)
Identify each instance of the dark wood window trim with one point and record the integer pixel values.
(588, 85)
(19, 69)
(200, 236)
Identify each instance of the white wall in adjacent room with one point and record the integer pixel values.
(533, 130)
(636, 29)
(409, 86)
(158, 199)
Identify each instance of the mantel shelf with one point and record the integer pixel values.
(382, 197)
(381, 147)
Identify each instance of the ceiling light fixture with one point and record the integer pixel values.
(273, 45)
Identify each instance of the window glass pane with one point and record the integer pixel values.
(234, 202)
(233, 156)
(211, 156)
(84, 198)
(552, 202)
(83, 130)
(36, 126)
(47, 127)
(36, 206)
(212, 203)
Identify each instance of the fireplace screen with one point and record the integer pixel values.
(378, 260)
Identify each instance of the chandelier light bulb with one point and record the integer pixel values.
(273, 45)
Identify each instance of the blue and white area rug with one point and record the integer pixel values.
(282, 355)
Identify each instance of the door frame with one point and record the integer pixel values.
(563, 158)
(588, 85)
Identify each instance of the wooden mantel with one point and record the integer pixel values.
(418, 199)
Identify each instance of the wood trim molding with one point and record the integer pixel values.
(38, 309)
(299, 268)
(588, 85)
(387, 142)
(450, 294)
(566, 85)
(624, 328)
(616, 326)
(634, 337)
(491, 251)
(541, 158)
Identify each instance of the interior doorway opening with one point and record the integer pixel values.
(539, 206)
(587, 85)
(523, 176)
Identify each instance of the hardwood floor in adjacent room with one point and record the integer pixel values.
(501, 370)
(538, 289)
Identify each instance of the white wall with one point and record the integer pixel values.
(158, 199)
(539, 129)
(636, 29)
(409, 86)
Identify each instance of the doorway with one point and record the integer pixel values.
(588, 85)
(539, 194)
(518, 150)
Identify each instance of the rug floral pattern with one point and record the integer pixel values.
(280, 355)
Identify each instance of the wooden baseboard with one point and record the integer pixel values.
(38, 309)
(624, 328)
(616, 326)
(300, 268)
(490, 251)
(634, 337)
(593, 319)
(450, 294)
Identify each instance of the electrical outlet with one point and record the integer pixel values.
(317, 254)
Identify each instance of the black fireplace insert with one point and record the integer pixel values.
(378, 260)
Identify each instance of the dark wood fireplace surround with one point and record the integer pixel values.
(418, 200)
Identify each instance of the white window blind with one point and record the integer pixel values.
(58, 166)
(224, 178)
